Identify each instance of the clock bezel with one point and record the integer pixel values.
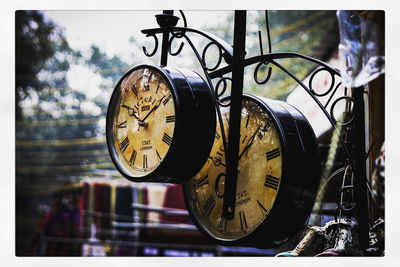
(260, 237)
(114, 101)
(192, 97)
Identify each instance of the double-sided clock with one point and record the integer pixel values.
(278, 176)
(160, 124)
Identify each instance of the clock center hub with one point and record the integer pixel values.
(144, 124)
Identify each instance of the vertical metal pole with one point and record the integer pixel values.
(239, 41)
(165, 39)
(360, 182)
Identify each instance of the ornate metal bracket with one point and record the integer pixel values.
(233, 59)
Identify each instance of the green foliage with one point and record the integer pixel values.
(112, 68)
(51, 111)
(37, 40)
(297, 31)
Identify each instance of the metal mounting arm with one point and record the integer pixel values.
(354, 148)
(231, 155)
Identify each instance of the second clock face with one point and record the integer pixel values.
(144, 121)
(259, 176)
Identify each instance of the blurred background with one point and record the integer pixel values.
(70, 200)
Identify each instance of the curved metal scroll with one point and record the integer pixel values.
(225, 51)
(217, 72)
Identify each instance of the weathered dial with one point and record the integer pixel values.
(143, 121)
(258, 181)
(160, 124)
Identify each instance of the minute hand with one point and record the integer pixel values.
(250, 142)
(154, 108)
(129, 111)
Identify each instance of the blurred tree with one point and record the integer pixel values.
(58, 116)
(36, 41)
(108, 67)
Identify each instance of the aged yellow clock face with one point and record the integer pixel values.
(259, 176)
(143, 121)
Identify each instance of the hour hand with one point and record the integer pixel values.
(249, 142)
(131, 111)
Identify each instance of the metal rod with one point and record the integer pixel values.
(165, 41)
(268, 34)
(239, 41)
(167, 226)
(268, 58)
(129, 243)
(167, 211)
(360, 182)
(228, 50)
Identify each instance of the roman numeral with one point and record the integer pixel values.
(134, 90)
(222, 223)
(167, 99)
(243, 222)
(133, 157)
(146, 87)
(227, 118)
(262, 207)
(244, 139)
(217, 135)
(124, 144)
(122, 124)
(208, 206)
(271, 182)
(273, 154)
(167, 139)
(158, 155)
(247, 121)
(145, 166)
(170, 118)
(158, 86)
(202, 181)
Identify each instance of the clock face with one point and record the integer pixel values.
(143, 121)
(258, 181)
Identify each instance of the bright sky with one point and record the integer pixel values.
(111, 30)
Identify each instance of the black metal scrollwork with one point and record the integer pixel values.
(257, 69)
(175, 35)
(265, 63)
(155, 46)
(332, 89)
(219, 60)
(225, 51)
(346, 202)
(218, 93)
(313, 75)
(346, 121)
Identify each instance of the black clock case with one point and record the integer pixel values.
(195, 123)
(301, 174)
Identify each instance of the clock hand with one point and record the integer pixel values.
(154, 108)
(129, 111)
(250, 142)
(217, 161)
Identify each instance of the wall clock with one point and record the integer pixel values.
(278, 176)
(160, 124)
